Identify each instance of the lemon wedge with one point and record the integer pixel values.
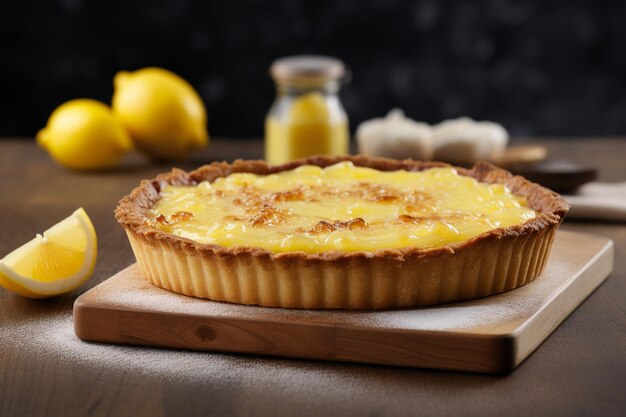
(54, 263)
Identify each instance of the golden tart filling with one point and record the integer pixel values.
(340, 232)
(340, 207)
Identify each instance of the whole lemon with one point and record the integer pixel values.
(83, 134)
(163, 114)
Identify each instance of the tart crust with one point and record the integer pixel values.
(492, 262)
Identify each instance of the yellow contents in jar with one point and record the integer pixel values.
(309, 127)
(342, 207)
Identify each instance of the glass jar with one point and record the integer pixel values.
(307, 117)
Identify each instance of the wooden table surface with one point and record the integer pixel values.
(45, 370)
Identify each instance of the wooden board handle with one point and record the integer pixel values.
(521, 154)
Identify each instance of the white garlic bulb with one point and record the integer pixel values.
(465, 141)
(395, 136)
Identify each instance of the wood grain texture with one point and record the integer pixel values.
(46, 371)
(503, 331)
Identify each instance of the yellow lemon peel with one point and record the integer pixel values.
(83, 134)
(162, 112)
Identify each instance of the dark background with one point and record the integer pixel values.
(538, 67)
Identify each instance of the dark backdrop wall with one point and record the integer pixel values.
(538, 67)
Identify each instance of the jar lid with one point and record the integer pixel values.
(307, 69)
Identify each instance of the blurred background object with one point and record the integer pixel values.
(163, 114)
(538, 68)
(307, 117)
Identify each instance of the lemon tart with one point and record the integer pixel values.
(340, 232)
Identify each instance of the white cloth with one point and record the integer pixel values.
(597, 200)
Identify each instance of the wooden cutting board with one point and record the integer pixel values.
(492, 334)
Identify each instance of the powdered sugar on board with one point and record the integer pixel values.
(50, 338)
(129, 291)
(45, 369)
(47, 343)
